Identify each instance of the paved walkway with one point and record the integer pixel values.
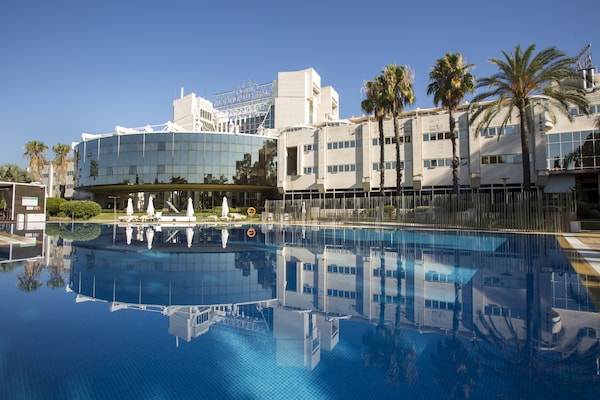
(587, 246)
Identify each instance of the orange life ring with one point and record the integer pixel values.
(251, 211)
(251, 232)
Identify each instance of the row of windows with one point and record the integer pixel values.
(310, 170)
(439, 162)
(54, 174)
(308, 267)
(392, 140)
(502, 159)
(437, 277)
(594, 109)
(344, 168)
(345, 294)
(442, 162)
(388, 299)
(338, 269)
(346, 144)
(392, 165)
(497, 131)
(310, 147)
(430, 137)
(389, 273)
(576, 137)
(440, 305)
(497, 311)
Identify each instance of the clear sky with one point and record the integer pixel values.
(69, 67)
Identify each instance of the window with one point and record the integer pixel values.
(292, 161)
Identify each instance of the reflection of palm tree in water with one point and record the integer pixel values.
(56, 279)
(29, 279)
(531, 372)
(387, 349)
(456, 370)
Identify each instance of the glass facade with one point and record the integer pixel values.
(177, 157)
(573, 150)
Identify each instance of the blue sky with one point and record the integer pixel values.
(69, 67)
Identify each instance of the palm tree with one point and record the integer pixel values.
(34, 151)
(450, 81)
(523, 78)
(374, 102)
(399, 82)
(61, 162)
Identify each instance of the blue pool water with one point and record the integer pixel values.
(291, 312)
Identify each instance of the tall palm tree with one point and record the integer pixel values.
(450, 81)
(399, 82)
(34, 151)
(523, 78)
(61, 163)
(374, 102)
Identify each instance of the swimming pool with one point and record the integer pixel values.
(295, 312)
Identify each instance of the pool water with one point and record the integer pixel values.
(294, 312)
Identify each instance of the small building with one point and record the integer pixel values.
(22, 203)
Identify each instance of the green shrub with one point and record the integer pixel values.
(80, 232)
(81, 209)
(53, 205)
(389, 209)
(582, 208)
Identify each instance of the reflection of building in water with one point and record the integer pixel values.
(296, 338)
(448, 282)
(21, 242)
(188, 322)
(463, 283)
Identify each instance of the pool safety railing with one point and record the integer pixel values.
(517, 211)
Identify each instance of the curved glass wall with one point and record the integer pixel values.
(177, 157)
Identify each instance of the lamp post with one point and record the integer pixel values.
(504, 180)
(115, 216)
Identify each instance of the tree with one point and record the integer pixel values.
(61, 163)
(524, 79)
(374, 102)
(450, 81)
(29, 279)
(399, 91)
(34, 151)
(14, 173)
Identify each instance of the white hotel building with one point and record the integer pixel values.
(320, 155)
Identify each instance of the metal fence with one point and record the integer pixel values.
(516, 211)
